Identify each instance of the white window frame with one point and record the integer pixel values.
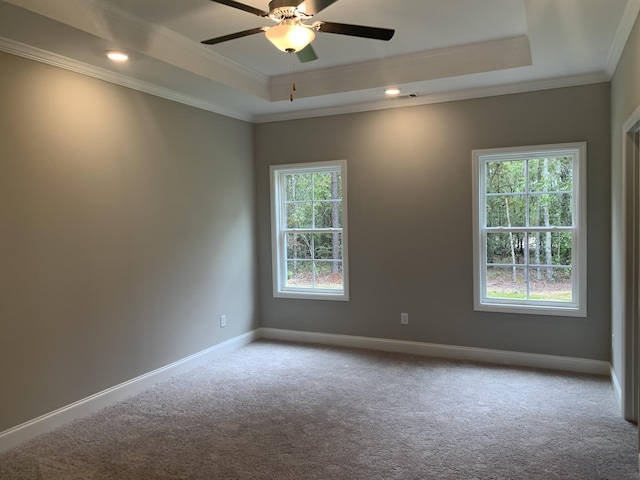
(576, 308)
(278, 232)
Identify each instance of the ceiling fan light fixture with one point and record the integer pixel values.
(289, 36)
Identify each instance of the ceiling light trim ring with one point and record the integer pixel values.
(117, 55)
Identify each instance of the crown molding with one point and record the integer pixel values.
(59, 61)
(98, 18)
(625, 28)
(154, 41)
(464, 94)
(42, 56)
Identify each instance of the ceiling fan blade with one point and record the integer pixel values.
(312, 7)
(225, 38)
(307, 54)
(355, 30)
(242, 6)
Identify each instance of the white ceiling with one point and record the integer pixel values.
(442, 50)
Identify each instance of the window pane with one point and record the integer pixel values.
(328, 214)
(506, 211)
(337, 176)
(327, 185)
(322, 186)
(550, 209)
(506, 282)
(299, 246)
(297, 186)
(505, 248)
(299, 215)
(551, 174)
(328, 246)
(505, 177)
(322, 214)
(551, 284)
(329, 274)
(336, 240)
(299, 273)
(547, 248)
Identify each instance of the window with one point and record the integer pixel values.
(309, 230)
(530, 230)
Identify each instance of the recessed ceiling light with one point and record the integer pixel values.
(117, 56)
(391, 91)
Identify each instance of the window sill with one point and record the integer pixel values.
(336, 297)
(531, 310)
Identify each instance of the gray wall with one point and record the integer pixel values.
(127, 228)
(410, 219)
(625, 98)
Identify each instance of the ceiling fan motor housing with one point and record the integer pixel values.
(282, 10)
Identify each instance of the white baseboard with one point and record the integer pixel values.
(617, 388)
(532, 360)
(48, 422)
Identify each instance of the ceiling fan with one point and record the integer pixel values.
(292, 34)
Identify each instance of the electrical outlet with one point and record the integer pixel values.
(223, 321)
(404, 318)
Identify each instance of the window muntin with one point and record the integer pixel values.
(530, 232)
(309, 230)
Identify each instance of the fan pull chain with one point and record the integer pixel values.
(292, 68)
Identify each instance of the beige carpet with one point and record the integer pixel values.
(284, 411)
